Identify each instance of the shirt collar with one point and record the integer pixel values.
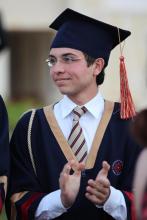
(95, 106)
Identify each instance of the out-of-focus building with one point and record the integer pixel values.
(23, 72)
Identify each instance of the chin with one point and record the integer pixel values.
(63, 90)
(66, 92)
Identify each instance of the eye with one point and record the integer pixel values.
(69, 59)
(51, 61)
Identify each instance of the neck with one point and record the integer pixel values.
(82, 99)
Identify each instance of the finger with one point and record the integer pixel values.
(101, 193)
(62, 180)
(103, 182)
(99, 185)
(104, 171)
(93, 199)
(92, 183)
(76, 166)
(66, 169)
(73, 164)
(81, 167)
(95, 184)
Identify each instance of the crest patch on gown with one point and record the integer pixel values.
(117, 167)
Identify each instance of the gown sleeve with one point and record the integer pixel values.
(4, 152)
(25, 192)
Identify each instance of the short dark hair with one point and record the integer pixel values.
(90, 60)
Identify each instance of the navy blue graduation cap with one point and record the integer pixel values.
(95, 38)
(86, 34)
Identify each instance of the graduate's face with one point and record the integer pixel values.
(69, 71)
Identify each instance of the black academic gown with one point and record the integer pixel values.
(4, 151)
(49, 150)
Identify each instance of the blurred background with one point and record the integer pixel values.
(24, 76)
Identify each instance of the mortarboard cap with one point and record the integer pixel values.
(96, 39)
(86, 34)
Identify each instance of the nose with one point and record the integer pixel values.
(58, 68)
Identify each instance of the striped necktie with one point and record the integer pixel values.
(76, 138)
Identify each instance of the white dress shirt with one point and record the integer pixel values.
(51, 206)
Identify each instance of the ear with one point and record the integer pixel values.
(99, 65)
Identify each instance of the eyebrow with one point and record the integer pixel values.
(62, 55)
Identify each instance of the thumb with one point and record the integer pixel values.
(103, 173)
(79, 169)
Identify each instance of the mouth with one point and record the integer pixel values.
(62, 79)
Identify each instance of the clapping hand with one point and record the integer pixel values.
(70, 183)
(98, 190)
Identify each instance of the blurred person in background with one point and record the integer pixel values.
(75, 159)
(4, 136)
(3, 38)
(139, 129)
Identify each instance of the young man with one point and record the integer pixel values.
(75, 159)
(4, 152)
(4, 137)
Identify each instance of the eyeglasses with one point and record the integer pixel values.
(66, 59)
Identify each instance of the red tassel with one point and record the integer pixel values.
(127, 105)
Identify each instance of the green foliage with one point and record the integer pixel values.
(17, 108)
(3, 216)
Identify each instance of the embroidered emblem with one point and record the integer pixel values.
(117, 167)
